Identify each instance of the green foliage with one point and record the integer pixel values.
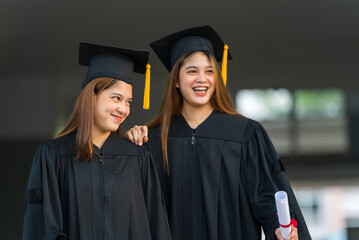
(323, 103)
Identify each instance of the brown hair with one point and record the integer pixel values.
(173, 101)
(81, 119)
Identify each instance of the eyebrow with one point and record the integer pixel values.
(120, 95)
(209, 66)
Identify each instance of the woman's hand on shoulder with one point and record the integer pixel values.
(293, 235)
(137, 134)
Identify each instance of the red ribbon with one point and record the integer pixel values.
(285, 226)
(292, 222)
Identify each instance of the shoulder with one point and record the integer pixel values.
(61, 145)
(228, 127)
(66, 145)
(154, 132)
(118, 145)
(232, 127)
(51, 151)
(253, 129)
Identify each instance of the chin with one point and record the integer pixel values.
(201, 104)
(114, 128)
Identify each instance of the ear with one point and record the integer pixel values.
(177, 85)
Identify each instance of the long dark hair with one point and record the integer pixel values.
(172, 102)
(82, 118)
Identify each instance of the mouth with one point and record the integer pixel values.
(200, 90)
(117, 118)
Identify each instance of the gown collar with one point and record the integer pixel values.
(97, 149)
(218, 125)
(180, 127)
(116, 145)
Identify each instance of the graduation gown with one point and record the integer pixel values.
(116, 195)
(222, 179)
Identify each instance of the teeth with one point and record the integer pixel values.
(200, 89)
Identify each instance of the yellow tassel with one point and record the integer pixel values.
(224, 64)
(146, 95)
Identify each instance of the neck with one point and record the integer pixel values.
(99, 137)
(196, 115)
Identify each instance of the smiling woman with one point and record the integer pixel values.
(111, 107)
(85, 183)
(218, 169)
(196, 84)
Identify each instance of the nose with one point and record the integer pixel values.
(121, 108)
(201, 76)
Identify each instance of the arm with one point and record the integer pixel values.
(156, 211)
(43, 217)
(281, 181)
(137, 134)
(260, 188)
(260, 184)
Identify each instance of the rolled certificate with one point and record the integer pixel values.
(281, 201)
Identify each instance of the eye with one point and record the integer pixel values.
(209, 71)
(129, 102)
(191, 71)
(116, 98)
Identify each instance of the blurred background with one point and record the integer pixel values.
(295, 70)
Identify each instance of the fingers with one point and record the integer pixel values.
(278, 234)
(294, 234)
(137, 135)
(129, 136)
(144, 130)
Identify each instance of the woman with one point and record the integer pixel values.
(220, 170)
(89, 183)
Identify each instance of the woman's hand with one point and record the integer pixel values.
(137, 134)
(293, 235)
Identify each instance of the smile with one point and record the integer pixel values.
(118, 118)
(200, 89)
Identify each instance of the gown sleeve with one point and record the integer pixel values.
(281, 181)
(260, 187)
(264, 176)
(43, 217)
(156, 211)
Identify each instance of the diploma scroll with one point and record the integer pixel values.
(281, 201)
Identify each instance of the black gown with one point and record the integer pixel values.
(222, 179)
(116, 195)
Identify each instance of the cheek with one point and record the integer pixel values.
(185, 82)
(179, 80)
(182, 80)
(111, 106)
(127, 111)
(212, 81)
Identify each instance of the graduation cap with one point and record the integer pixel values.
(204, 38)
(114, 62)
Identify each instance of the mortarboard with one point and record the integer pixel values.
(114, 62)
(204, 38)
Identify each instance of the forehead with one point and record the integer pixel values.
(197, 58)
(120, 87)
